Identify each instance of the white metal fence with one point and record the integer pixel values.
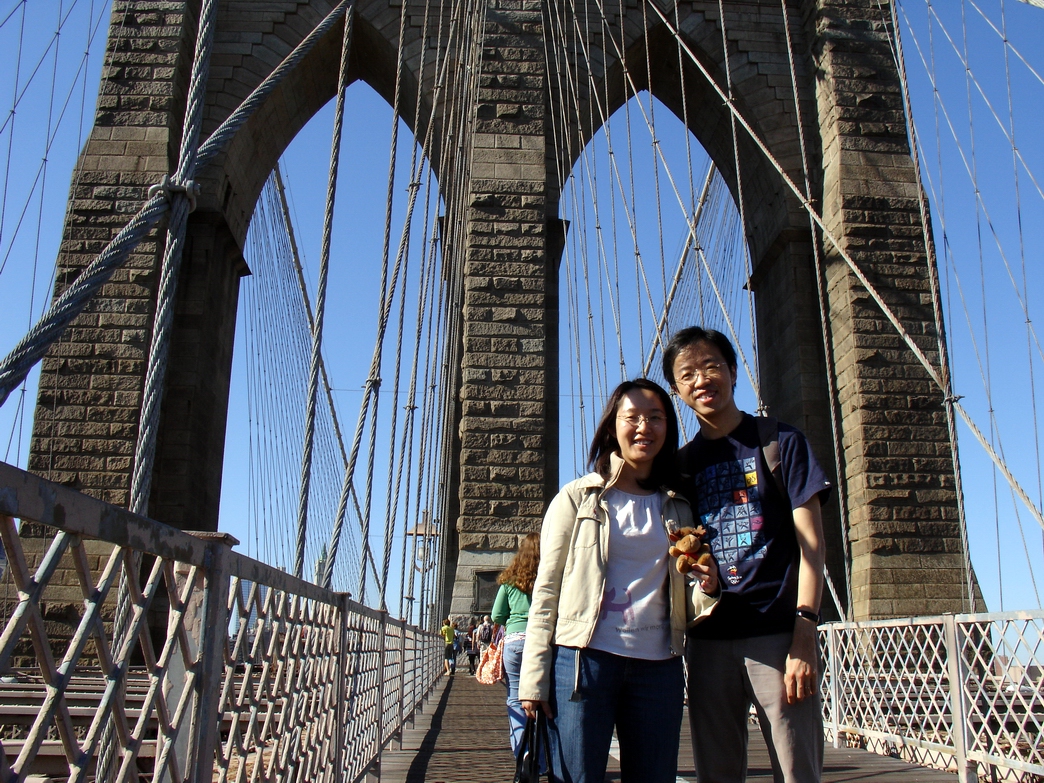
(230, 670)
(958, 692)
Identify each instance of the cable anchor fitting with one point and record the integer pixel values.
(166, 188)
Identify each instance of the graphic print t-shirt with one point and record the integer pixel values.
(750, 525)
(635, 619)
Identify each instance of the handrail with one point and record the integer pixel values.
(236, 664)
(959, 692)
(252, 666)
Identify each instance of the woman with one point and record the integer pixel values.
(471, 647)
(609, 610)
(511, 610)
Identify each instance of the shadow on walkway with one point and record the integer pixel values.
(462, 737)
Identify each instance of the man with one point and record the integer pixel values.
(760, 644)
(484, 634)
(449, 635)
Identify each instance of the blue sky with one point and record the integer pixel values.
(990, 285)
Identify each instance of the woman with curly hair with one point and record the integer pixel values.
(511, 610)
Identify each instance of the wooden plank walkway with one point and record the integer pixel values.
(461, 737)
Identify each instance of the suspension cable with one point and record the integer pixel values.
(824, 327)
(856, 270)
(320, 301)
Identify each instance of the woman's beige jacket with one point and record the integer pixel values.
(567, 594)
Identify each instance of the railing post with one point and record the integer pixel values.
(193, 624)
(381, 739)
(341, 681)
(835, 701)
(206, 717)
(955, 670)
(402, 682)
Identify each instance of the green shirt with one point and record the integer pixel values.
(511, 609)
(448, 633)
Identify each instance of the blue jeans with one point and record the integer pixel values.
(512, 669)
(641, 699)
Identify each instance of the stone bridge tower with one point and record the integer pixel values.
(897, 465)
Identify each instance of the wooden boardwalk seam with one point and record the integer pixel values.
(461, 736)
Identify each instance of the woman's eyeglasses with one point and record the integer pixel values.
(656, 420)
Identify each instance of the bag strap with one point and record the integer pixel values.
(546, 738)
(525, 749)
(768, 436)
(535, 736)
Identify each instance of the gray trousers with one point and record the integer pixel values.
(724, 677)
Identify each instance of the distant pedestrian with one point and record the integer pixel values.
(449, 636)
(484, 634)
(511, 609)
(471, 647)
(457, 643)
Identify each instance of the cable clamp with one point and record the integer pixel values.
(166, 188)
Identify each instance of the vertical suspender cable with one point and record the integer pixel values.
(824, 327)
(940, 333)
(320, 301)
(740, 201)
(388, 286)
(1022, 253)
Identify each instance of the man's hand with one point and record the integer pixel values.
(706, 577)
(803, 658)
(801, 676)
(531, 707)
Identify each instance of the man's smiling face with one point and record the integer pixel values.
(705, 381)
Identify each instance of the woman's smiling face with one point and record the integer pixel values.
(641, 427)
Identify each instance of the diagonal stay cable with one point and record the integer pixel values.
(941, 105)
(854, 267)
(691, 243)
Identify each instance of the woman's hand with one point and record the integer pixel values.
(531, 707)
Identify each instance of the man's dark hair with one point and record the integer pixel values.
(690, 336)
(604, 442)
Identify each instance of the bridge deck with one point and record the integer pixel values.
(461, 737)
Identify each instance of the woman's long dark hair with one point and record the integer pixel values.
(523, 569)
(604, 442)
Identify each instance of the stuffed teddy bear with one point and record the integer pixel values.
(690, 548)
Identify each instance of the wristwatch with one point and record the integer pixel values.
(807, 614)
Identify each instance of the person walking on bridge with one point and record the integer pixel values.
(511, 610)
(757, 489)
(449, 635)
(484, 634)
(609, 609)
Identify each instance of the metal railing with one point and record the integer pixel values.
(230, 670)
(957, 692)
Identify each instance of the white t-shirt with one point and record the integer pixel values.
(635, 618)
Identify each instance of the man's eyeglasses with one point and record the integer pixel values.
(711, 371)
(656, 420)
